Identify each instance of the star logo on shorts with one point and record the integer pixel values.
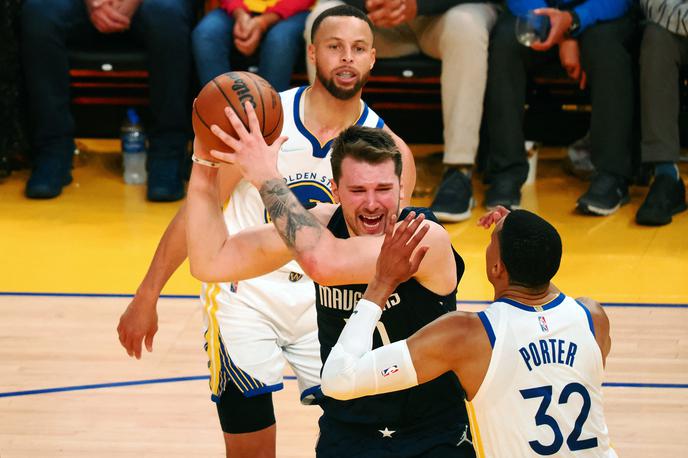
(386, 432)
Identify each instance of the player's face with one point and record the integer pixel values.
(369, 195)
(343, 55)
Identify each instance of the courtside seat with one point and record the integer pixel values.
(405, 91)
(106, 77)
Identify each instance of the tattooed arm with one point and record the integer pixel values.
(214, 255)
(325, 258)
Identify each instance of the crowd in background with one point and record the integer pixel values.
(483, 65)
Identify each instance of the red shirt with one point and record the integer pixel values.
(282, 8)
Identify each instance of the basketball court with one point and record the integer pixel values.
(68, 389)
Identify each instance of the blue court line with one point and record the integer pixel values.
(286, 377)
(187, 296)
(103, 385)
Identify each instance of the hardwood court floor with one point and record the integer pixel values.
(68, 389)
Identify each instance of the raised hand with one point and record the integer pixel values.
(493, 217)
(399, 257)
(256, 159)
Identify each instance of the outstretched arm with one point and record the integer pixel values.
(214, 255)
(601, 325)
(325, 258)
(139, 322)
(352, 370)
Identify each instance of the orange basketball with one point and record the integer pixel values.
(233, 89)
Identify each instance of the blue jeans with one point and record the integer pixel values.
(212, 43)
(162, 26)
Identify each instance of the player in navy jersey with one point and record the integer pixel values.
(253, 326)
(337, 246)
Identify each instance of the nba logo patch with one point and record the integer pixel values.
(543, 323)
(390, 370)
(233, 286)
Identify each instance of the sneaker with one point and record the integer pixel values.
(48, 178)
(504, 192)
(577, 161)
(165, 182)
(454, 198)
(666, 197)
(605, 195)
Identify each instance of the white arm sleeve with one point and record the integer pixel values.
(353, 370)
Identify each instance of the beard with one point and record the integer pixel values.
(338, 92)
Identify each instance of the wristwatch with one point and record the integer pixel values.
(575, 23)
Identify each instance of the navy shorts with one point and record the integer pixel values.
(433, 439)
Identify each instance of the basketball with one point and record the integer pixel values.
(233, 89)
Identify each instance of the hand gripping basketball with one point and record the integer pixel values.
(255, 158)
(233, 89)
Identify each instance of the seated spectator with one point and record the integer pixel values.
(457, 32)
(163, 27)
(270, 28)
(664, 49)
(598, 55)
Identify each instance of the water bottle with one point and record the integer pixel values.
(133, 149)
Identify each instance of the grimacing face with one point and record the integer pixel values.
(369, 195)
(343, 54)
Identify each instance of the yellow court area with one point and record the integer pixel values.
(68, 389)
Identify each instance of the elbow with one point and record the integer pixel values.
(335, 386)
(317, 270)
(202, 273)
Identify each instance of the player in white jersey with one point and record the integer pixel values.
(253, 325)
(531, 364)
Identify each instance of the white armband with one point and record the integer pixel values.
(353, 370)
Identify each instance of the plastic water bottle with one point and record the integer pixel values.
(133, 149)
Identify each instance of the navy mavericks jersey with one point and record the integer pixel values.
(411, 307)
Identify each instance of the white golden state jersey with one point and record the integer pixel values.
(541, 395)
(303, 161)
(247, 323)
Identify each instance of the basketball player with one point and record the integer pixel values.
(250, 329)
(531, 364)
(337, 246)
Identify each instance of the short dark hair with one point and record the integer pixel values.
(530, 249)
(366, 144)
(340, 10)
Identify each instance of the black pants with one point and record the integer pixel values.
(661, 55)
(433, 438)
(605, 57)
(163, 26)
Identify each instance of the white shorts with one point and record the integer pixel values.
(254, 326)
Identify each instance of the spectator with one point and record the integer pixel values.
(162, 26)
(271, 28)
(663, 50)
(602, 30)
(457, 32)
